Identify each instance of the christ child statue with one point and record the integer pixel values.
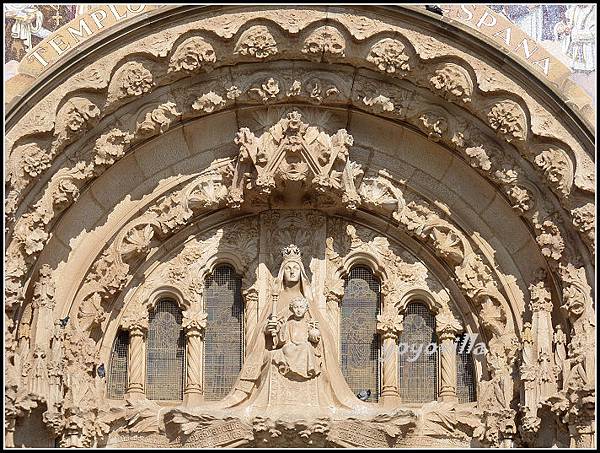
(297, 354)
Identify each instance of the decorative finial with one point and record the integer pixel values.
(291, 251)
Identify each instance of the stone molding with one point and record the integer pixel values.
(74, 135)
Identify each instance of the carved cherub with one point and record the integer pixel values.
(296, 341)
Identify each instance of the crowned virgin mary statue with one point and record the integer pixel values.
(292, 368)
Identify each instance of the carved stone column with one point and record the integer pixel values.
(333, 290)
(136, 322)
(447, 326)
(389, 325)
(194, 323)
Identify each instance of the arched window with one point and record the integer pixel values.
(358, 331)
(417, 360)
(165, 352)
(117, 367)
(465, 370)
(223, 338)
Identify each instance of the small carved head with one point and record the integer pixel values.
(299, 307)
(291, 272)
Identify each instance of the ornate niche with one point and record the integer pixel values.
(293, 264)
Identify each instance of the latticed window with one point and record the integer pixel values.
(223, 338)
(358, 331)
(465, 371)
(117, 367)
(418, 360)
(165, 353)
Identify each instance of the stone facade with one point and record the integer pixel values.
(294, 144)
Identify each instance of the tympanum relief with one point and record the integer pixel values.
(297, 205)
(291, 389)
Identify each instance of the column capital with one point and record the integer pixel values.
(194, 321)
(447, 325)
(135, 321)
(389, 323)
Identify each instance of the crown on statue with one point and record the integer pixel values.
(291, 251)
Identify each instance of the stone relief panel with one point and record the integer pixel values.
(293, 162)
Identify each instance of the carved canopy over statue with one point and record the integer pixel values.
(296, 162)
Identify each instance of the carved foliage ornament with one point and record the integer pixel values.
(131, 79)
(257, 42)
(324, 41)
(453, 81)
(389, 55)
(509, 120)
(74, 117)
(505, 116)
(192, 55)
(389, 323)
(540, 297)
(557, 168)
(194, 319)
(111, 146)
(290, 153)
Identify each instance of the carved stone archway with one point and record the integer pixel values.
(376, 117)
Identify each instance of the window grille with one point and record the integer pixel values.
(465, 371)
(358, 331)
(165, 353)
(223, 338)
(417, 373)
(117, 368)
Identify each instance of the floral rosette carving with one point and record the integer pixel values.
(509, 120)
(557, 168)
(324, 41)
(192, 55)
(131, 79)
(256, 42)
(389, 323)
(389, 55)
(453, 81)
